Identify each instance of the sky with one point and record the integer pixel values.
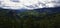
(15, 0)
(28, 4)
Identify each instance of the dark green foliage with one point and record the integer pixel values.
(29, 19)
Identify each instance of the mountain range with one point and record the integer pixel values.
(48, 10)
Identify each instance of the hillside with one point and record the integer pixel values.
(29, 19)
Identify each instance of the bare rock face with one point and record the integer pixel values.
(28, 4)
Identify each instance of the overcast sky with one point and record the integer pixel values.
(28, 4)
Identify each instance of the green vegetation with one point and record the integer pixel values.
(29, 19)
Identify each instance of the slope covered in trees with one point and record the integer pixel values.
(29, 19)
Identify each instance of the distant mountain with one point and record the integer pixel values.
(49, 10)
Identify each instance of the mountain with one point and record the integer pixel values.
(40, 10)
(49, 10)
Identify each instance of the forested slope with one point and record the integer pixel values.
(29, 19)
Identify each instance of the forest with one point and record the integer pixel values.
(29, 19)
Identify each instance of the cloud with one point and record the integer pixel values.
(15, 0)
(28, 4)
